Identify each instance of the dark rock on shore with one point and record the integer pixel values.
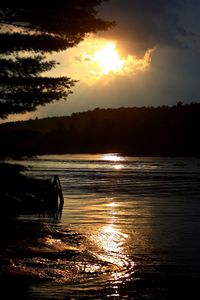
(23, 194)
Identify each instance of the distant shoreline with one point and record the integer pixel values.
(139, 131)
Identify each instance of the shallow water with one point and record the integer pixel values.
(129, 230)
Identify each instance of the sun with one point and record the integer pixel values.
(108, 58)
(100, 61)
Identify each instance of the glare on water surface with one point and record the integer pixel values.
(112, 157)
(114, 238)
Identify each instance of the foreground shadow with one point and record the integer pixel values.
(21, 194)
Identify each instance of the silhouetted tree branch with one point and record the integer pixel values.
(28, 31)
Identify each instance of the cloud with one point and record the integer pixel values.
(98, 60)
(161, 77)
(145, 24)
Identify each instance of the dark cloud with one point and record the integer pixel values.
(78, 58)
(81, 59)
(150, 23)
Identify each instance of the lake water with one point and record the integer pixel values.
(130, 229)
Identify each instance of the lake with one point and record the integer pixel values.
(129, 229)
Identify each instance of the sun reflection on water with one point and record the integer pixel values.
(112, 157)
(111, 239)
(115, 160)
(112, 204)
(118, 167)
(112, 244)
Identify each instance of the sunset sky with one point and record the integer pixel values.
(150, 58)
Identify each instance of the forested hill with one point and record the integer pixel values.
(145, 131)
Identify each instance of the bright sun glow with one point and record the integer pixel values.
(108, 58)
(99, 59)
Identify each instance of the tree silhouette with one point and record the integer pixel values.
(28, 31)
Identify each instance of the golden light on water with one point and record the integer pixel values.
(112, 204)
(111, 239)
(112, 243)
(112, 157)
(118, 167)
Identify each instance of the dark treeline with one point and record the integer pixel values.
(144, 131)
